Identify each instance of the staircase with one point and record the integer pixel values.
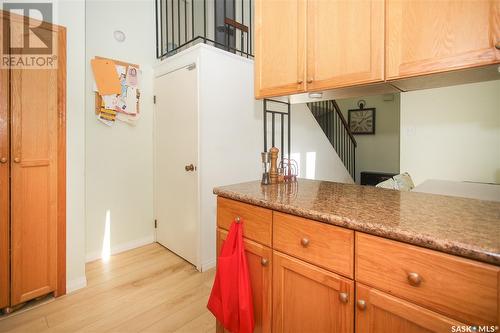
(333, 123)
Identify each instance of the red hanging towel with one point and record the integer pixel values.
(231, 297)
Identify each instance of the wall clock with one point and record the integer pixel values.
(362, 121)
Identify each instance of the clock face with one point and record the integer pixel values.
(362, 121)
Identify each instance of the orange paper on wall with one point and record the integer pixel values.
(105, 77)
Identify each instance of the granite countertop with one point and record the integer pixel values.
(468, 228)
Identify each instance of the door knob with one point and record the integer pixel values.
(344, 297)
(189, 167)
(304, 242)
(17, 160)
(264, 262)
(3, 160)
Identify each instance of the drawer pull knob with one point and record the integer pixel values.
(414, 279)
(344, 297)
(237, 219)
(264, 262)
(361, 304)
(497, 45)
(304, 242)
(300, 82)
(3, 160)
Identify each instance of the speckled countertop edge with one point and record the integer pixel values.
(442, 245)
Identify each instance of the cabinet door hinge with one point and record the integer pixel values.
(156, 223)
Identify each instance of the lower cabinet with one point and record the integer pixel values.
(307, 298)
(377, 311)
(260, 263)
(399, 287)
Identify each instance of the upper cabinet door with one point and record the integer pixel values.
(345, 43)
(426, 37)
(280, 32)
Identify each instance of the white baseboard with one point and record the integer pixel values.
(122, 247)
(208, 265)
(75, 284)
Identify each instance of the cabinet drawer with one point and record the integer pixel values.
(257, 221)
(318, 243)
(459, 288)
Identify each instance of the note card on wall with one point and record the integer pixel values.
(105, 77)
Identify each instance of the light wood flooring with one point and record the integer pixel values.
(148, 289)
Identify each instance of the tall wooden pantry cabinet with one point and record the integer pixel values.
(32, 160)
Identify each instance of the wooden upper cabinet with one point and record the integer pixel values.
(280, 32)
(307, 298)
(424, 37)
(259, 259)
(345, 43)
(378, 312)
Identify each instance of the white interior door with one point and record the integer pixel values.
(176, 148)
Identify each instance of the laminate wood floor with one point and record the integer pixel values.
(148, 289)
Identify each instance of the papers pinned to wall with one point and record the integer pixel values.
(117, 92)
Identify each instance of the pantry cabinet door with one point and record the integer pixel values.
(377, 312)
(307, 298)
(35, 115)
(259, 259)
(4, 179)
(280, 32)
(345, 43)
(425, 37)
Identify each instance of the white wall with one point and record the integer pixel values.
(119, 168)
(311, 149)
(70, 13)
(378, 152)
(230, 134)
(452, 133)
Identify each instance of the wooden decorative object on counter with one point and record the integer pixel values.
(273, 173)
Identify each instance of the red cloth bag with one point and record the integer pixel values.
(231, 297)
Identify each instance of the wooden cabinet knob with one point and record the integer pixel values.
(264, 262)
(3, 160)
(304, 242)
(300, 82)
(310, 81)
(344, 297)
(17, 160)
(414, 279)
(361, 304)
(497, 45)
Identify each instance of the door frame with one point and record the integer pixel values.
(61, 152)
